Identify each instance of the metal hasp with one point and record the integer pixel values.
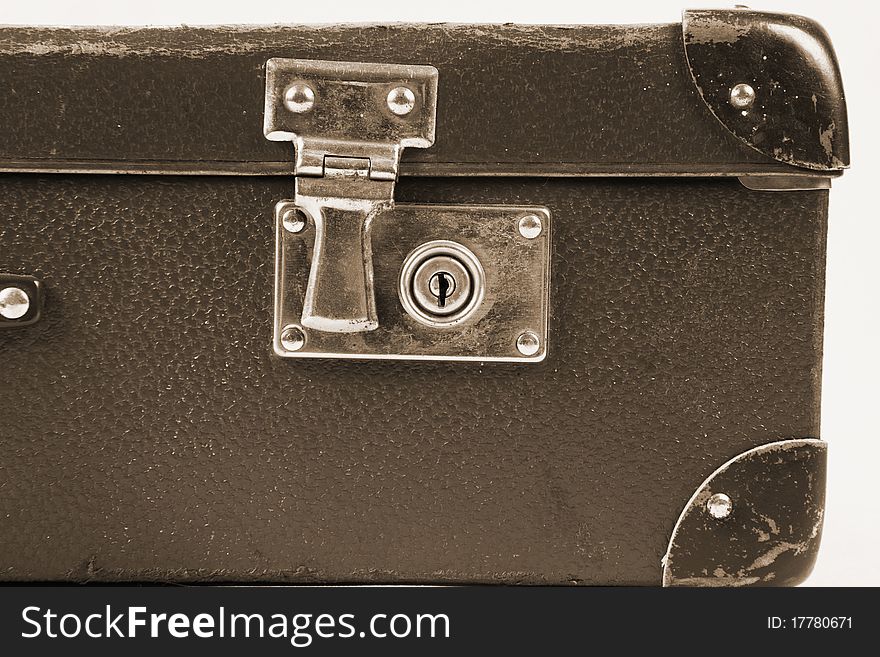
(755, 521)
(349, 122)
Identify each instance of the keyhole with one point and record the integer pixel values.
(444, 288)
(442, 285)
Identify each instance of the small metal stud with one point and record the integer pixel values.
(528, 343)
(719, 506)
(293, 338)
(742, 96)
(530, 226)
(401, 101)
(14, 303)
(299, 98)
(294, 220)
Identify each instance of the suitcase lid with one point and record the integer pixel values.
(738, 93)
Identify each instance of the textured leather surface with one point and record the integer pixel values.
(149, 433)
(599, 98)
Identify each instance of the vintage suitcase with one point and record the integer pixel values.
(416, 303)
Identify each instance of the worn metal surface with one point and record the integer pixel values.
(799, 112)
(515, 298)
(527, 100)
(349, 111)
(785, 183)
(771, 535)
(164, 441)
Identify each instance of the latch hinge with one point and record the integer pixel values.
(322, 157)
(346, 167)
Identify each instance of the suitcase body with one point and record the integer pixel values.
(629, 394)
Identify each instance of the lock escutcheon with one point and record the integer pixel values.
(442, 283)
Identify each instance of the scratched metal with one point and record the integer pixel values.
(799, 115)
(771, 537)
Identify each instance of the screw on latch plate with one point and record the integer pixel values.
(401, 101)
(292, 338)
(528, 343)
(292, 218)
(530, 226)
(299, 98)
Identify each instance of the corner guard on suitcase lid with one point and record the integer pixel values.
(755, 521)
(772, 81)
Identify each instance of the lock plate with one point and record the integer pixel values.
(515, 264)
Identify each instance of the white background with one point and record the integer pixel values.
(850, 553)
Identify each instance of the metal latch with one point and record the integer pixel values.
(451, 282)
(349, 123)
